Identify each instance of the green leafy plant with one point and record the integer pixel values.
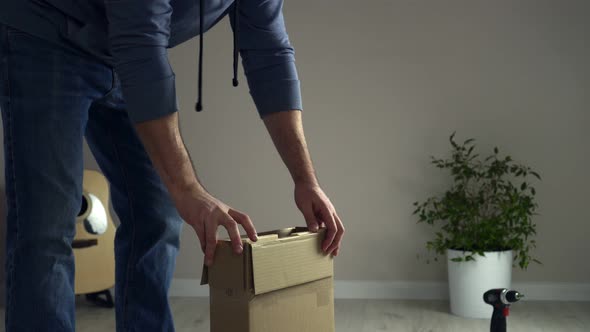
(489, 206)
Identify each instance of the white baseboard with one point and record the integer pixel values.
(361, 289)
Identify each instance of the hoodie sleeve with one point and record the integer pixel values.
(138, 36)
(267, 56)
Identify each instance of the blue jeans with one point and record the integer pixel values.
(51, 98)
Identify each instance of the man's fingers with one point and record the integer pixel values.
(246, 222)
(234, 233)
(201, 235)
(211, 242)
(335, 252)
(310, 219)
(332, 228)
(339, 234)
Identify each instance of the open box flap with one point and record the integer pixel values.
(289, 260)
(224, 249)
(279, 259)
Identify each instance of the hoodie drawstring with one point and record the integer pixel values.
(199, 106)
(236, 28)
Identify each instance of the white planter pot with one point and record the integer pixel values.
(469, 280)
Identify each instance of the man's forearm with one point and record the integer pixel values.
(286, 131)
(163, 143)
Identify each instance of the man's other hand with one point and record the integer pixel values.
(318, 211)
(205, 213)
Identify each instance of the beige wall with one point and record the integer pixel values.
(384, 84)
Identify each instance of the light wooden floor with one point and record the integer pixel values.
(191, 314)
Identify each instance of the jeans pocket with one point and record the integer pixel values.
(16, 38)
(10, 32)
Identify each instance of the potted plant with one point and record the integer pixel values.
(483, 224)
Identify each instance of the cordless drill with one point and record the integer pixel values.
(500, 299)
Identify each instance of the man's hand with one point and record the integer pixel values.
(317, 210)
(206, 213)
(164, 145)
(286, 131)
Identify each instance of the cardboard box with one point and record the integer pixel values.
(281, 283)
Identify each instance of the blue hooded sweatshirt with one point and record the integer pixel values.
(133, 36)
